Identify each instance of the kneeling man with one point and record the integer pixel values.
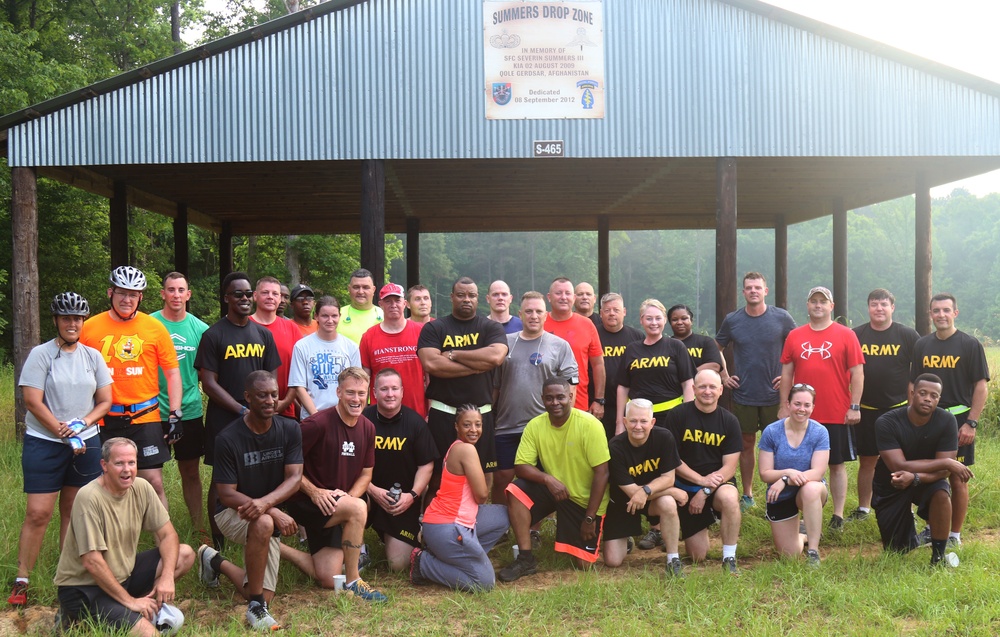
(643, 459)
(100, 575)
(917, 446)
(571, 446)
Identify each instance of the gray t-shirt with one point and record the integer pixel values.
(68, 381)
(520, 378)
(757, 343)
(317, 363)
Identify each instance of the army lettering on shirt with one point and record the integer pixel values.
(449, 333)
(958, 360)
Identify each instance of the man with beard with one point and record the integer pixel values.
(458, 351)
(361, 314)
(393, 344)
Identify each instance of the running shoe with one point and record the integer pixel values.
(812, 557)
(729, 565)
(362, 589)
(415, 577)
(675, 568)
(746, 503)
(536, 540)
(206, 573)
(857, 515)
(19, 595)
(924, 537)
(651, 540)
(517, 569)
(260, 619)
(836, 523)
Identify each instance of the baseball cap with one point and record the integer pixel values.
(821, 290)
(391, 289)
(299, 289)
(168, 619)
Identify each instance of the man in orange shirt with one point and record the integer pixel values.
(135, 346)
(582, 336)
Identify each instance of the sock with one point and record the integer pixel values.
(937, 549)
(259, 599)
(864, 509)
(728, 550)
(350, 584)
(957, 536)
(23, 580)
(671, 556)
(216, 563)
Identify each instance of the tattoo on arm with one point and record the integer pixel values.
(347, 545)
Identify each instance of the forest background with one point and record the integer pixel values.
(49, 47)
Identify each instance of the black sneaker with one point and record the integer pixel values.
(812, 557)
(924, 537)
(416, 578)
(836, 523)
(729, 565)
(675, 568)
(536, 540)
(629, 545)
(517, 569)
(651, 540)
(857, 515)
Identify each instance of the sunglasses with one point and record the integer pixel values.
(241, 294)
(801, 386)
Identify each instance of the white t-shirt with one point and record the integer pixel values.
(317, 363)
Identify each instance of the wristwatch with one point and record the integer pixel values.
(707, 491)
(916, 479)
(599, 401)
(784, 479)
(648, 491)
(589, 519)
(855, 407)
(972, 423)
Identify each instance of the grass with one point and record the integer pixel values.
(859, 590)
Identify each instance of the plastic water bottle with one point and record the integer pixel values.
(395, 492)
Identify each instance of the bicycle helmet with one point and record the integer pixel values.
(70, 304)
(128, 278)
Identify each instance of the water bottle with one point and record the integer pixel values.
(395, 492)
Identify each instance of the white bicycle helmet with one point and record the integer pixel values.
(70, 304)
(128, 278)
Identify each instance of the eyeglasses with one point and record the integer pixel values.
(304, 299)
(131, 296)
(801, 386)
(241, 294)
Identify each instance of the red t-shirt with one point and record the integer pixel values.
(333, 453)
(823, 358)
(285, 333)
(398, 351)
(582, 337)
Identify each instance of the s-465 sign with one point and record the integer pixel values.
(549, 148)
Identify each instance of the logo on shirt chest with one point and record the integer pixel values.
(808, 349)
(650, 361)
(460, 340)
(384, 443)
(705, 437)
(941, 362)
(347, 449)
(648, 466)
(880, 350)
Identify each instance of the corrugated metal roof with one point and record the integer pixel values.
(398, 79)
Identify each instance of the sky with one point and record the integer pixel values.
(959, 33)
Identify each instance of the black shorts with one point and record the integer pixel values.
(843, 443)
(966, 453)
(404, 527)
(80, 603)
(569, 517)
(191, 446)
(152, 449)
(894, 512)
(619, 523)
(506, 446)
(783, 509)
(319, 536)
(442, 427)
(693, 524)
(865, 431)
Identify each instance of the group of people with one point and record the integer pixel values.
(343, 418)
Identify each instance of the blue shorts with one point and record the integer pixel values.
(48, 466)
(506, 445)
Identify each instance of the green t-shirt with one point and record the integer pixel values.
(568, 453)
(354, 322)
(186, 335)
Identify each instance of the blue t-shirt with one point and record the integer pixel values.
(787, 457)
(757, 342)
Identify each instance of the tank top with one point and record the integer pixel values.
(454, 502)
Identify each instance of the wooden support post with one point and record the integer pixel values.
(840, 307)
(118, 214)
(225, 260)
(373, 219)
(923, 272)
(412, 252)
(725, 238)
(603, 259)
(24, 276)
(781, 262)
(181, 246)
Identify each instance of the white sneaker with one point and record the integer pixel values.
(260, 619)
(206, 573)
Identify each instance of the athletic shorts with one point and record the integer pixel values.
(80, 603)
(404, 527)
(693, 524)
(619, 523)
(235, 528)
(442, 427)
(191, 446)
(865, 431)
(506, 446)
(752, 418)
(569, 518)
(153, 450)
(48, 466)
(894, 512)
(318, 534)
(966, 453)
(843, 443)
(786, 508)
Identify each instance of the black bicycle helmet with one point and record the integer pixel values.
(70, 304)
(128, 278)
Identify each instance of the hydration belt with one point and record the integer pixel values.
(902, 404)
(957, 410)
(667, 405)
(125, 414)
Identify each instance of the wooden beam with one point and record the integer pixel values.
(603, 257)
(412, 252)
(725, 238)
(118, 215)
(781, 262)
(24, 276)
(923, 273)
(225, 261)
(840, 307)
(373, 219)
(181, 246)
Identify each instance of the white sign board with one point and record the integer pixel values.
(543, 60)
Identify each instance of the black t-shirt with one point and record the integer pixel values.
(893, 430)
(959, 361)
(449, 333)
(255, 463)
(641, 465)
(887, 363)
(402, 444)
(702, 349)
(232, 352)
(655, 372)
(703, 439)
(613, 344)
